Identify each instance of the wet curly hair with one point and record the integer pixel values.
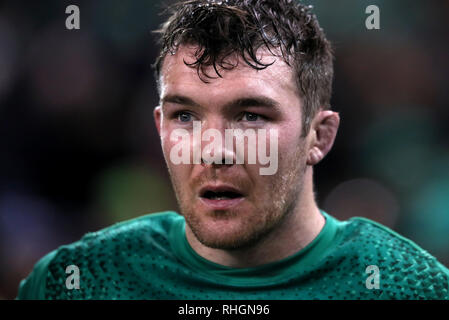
(221, 28)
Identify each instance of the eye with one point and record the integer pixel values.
(184, 116)
(248, 116)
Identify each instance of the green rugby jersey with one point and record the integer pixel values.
(150, 258)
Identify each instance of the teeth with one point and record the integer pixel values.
(220, 198)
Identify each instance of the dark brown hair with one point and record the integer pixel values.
(220, 28)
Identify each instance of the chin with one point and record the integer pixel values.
(226, 234)
(225, 241)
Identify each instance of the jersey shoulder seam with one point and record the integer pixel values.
(116, 226)
(394, 235)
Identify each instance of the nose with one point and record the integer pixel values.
(227, 160)
(217, 145)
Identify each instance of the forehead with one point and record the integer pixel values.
(276, 80)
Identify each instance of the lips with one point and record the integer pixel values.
(221, 197)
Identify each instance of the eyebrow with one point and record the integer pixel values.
(250, 101)
(178, 99)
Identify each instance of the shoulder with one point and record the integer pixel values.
(148, 225)
(135, 233)
(97, 253)
(406, 270)
(33, 287)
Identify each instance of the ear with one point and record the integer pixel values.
(157, 113)
(322, 134)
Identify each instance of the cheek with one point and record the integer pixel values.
(178, 171)
(290, 138)
(167, 145)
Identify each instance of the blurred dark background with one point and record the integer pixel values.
(79, 150)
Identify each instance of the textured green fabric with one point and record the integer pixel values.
(150, 258)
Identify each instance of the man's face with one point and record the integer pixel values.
(232, 206)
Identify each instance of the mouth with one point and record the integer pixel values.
(221, 197)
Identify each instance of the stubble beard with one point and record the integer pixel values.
(278, 206)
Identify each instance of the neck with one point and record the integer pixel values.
(295, 232)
